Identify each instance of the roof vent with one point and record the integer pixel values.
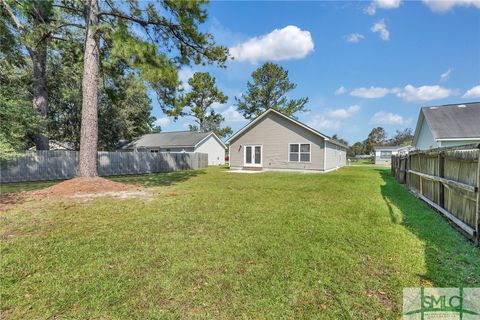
(461, 106)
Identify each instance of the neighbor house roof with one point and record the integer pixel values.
(451, 122)
(387, 147)
(327, 138)
(178, 139)
(57, 145)
(399, 148)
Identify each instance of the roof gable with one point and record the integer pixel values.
(213, 135)
(451, 121)
(298, 123)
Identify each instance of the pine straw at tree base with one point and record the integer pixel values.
(84, 185)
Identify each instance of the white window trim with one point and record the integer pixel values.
(310, 153)
(391, 154)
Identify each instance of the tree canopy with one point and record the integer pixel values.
(378, 136)
(268, 90)
(141, 46)
(198, 104)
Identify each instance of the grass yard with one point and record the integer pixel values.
(217, 245)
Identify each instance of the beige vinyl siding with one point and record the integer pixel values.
(274, 133)
(336, 156)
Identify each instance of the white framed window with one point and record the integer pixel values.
(385, 154)
(299, 152)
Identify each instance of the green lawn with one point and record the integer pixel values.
(217, 245)
(9, 188)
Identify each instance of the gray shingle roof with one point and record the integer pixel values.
(454, 121)
(168, 140)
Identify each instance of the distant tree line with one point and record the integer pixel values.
(378, 136)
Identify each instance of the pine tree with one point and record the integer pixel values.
(197, 103)
(268, 90)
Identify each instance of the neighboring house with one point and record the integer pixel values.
(273, 141)
(447, 126)
(55, 145)
(383, 154)
(181, 141)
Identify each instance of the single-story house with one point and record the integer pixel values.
(383, 154)
(447, 126)
(181, 141)
(274, 141)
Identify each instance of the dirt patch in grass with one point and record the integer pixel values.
(84, 188)
(9, 200)
(84, 185)
(382, 297)
(114, 194)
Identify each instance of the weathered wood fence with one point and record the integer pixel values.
(447, 179)
(53, 165)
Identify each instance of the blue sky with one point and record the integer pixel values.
(361, 64)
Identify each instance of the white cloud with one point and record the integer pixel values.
(445, 5)
(340, 91)
(162, 122)
(217, 105)
(232, 115)
(472, 93)
(345, 113)
(383, 4)
(353, 37)
(183, 75)
(320, 122)
(446, 75)
(370, 93)
(382, 30)
(388, 118)
(409, 93)
(281, 44)
(423, 93)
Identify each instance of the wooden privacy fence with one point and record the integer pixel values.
(53, 165)
(447, 179)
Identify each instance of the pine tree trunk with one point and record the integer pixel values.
(89, 127)
(40, 91)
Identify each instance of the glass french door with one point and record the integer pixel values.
(253, 156)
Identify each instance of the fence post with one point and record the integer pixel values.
(392, 165)
(441, 174)
(407, 168)
(477, 226)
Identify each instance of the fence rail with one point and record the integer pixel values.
(448, 179)
(53, 165)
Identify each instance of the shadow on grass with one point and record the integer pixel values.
(15, 187)
(158, 179)
(451, 259)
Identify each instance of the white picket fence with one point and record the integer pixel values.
(54, 165)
